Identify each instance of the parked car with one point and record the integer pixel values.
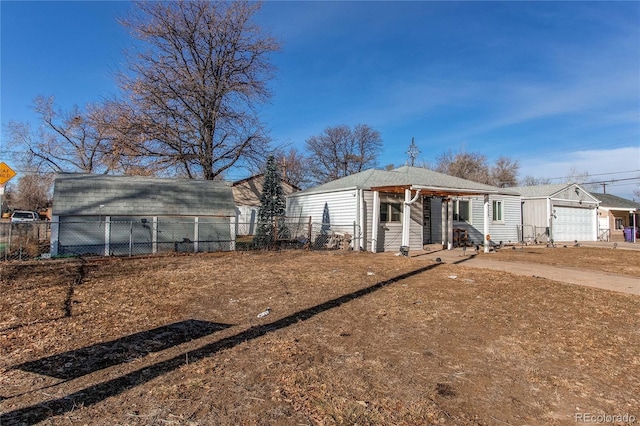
(23, 216)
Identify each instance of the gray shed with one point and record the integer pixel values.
(126, 215)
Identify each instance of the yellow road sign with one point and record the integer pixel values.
(6, 173)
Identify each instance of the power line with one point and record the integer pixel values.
(598, 174)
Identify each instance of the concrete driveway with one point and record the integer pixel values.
(603, 280)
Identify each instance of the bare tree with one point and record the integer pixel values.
(340, 151)
(66, 141)
(581, 178)
(474, 166)
(196, 85)
(294, 167)
(531, 181)
(33, 191)
(466, 165)
(504, 172)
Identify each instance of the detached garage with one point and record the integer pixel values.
(561, 212)
(130, 215)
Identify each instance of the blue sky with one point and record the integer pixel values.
(555, 85)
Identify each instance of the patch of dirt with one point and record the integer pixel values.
(623, 262)
(351, 338)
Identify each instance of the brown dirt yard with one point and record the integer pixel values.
(351, 338)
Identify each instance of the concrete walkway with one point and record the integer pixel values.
(603, 280)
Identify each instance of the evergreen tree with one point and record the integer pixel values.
(272, 208)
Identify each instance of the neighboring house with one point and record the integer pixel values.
(614, 215)
(561, 212)
(119, 215)
(246, 195)
(410, 207)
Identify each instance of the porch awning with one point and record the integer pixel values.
(439, 191)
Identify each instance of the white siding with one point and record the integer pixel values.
(534, 213)
(339, 206)
(505, 231)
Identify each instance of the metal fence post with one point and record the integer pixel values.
(130, 238)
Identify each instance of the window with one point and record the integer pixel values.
(462, 210)
(390, 212)
(619, 224)
(497, 211)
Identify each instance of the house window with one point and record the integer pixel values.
(619, 224)
(390, 212)
(462, 210)
(497, 211)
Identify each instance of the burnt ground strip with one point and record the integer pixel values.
(73, 364)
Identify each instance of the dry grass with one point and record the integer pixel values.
(624, 262)
(352, 338)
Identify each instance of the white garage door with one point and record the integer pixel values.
(573, 223)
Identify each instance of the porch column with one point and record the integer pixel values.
(375, 221)
(450, 224)
(633, 231)
(406, 217)
(443, 218)
(486, 222)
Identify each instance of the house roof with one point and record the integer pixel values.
(552, 190)
(260, 175)
(87, 194)
(541, 190)
(615, 202)
(402, 176)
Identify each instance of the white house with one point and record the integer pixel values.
(560, 212)
(411, 207)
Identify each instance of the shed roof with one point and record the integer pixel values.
(615, 202)
(403, 176)
(87, 194)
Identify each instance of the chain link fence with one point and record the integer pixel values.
(44, 239)
(295, 233)
(90, 237)
(529, 234)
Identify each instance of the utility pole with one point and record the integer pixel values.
(604, 187)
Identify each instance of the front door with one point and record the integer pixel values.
(426, 220)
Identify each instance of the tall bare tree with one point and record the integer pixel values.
(294, 166)
(33, 191)
(196, 83)
(504, 173)
(474, 166)
(466, 165)
(340, 151)
(65, 141)
(531, 181)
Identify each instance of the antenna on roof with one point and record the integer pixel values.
(413, 152)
